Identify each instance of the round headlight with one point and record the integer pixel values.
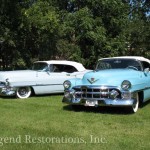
(126, 85)
(67, 84)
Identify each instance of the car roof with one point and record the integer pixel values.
(77, 65)
(129, 57)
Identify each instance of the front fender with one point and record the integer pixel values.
(75, 81)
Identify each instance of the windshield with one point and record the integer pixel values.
(40, 66)
(118, 64)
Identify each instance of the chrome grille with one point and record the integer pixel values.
(92, 92)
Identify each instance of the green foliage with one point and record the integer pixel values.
(42, 16)
(97, 31)
(138, 31)
(42, 21)
(68, 51)
(79, 30)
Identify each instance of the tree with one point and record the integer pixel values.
(41, 23)
(96, 27)
(9, 23)
(138, 31)
(78, 30)
(29, 32)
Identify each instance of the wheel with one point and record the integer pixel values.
(135, 106)
(23, 92)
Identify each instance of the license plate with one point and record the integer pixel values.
(91, 103)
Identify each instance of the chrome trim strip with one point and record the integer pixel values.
(45, 84)
(96, 86)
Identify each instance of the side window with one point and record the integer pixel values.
(55, 67)
(145, 64)
(104, 65)
(69, 69)
(62, 68)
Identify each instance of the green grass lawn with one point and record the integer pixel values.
(44, 123)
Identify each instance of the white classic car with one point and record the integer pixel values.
(45, 77)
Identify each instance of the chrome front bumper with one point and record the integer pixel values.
(125, 98)
(7, 91)
(99, 102)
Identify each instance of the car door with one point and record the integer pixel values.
(52, 81)
(146, 68)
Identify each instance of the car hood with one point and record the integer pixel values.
(110, 77)
(16, 74)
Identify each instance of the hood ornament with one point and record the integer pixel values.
(92, 80)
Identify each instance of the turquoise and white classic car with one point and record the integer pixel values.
(117, 81)
(45, 77)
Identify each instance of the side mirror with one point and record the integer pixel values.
(146, 71)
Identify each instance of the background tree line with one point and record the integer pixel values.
(78, 30)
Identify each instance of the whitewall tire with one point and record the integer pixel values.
(135, 106)
(23, 92)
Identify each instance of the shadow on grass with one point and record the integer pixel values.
(50, 95)
(8, 97)
(41, 95)
(144, 104)
(101, 109)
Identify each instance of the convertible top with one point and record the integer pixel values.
(77, 65)
(129, 57)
